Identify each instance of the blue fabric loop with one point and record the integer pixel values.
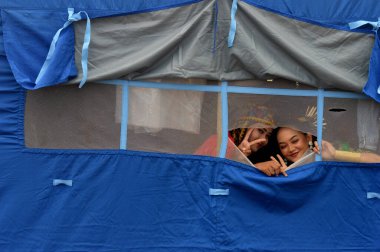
(373, 195)
(218, 192)
(72, 17)
(231, 35)
(67, 182)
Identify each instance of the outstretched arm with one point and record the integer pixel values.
(330, 153)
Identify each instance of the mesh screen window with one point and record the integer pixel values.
(201, 118)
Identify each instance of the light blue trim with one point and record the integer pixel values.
(52, 46)
(112, 82)
(124, 116)
(188, 87)
(360, 23)
(231, 34)
(224, 101)
(320, 108)
(72, 17)
(344, 95)
(86, 44)
(375, 28)
(373, 195)
(170, 86)
(271, 91)
(239, 90)
(67, 182)
(218, 192)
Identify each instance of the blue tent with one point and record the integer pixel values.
(55, 199)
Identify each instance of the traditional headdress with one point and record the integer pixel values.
(257, 116)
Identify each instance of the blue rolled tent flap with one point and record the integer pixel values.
(47, 60)
(44, 77)
(372, 87)
(27, 59)
(37, 66)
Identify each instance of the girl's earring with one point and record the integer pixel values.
(285, 161)
(310, 145)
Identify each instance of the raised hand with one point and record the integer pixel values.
(328, 150)
(245, 145)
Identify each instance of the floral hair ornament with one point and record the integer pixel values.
(254, 116)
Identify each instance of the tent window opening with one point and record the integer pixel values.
(200, 117)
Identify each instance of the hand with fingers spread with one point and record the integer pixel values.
(246, 146)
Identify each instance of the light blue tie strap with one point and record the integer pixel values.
(224, 101)
(375, 28)
(67, 182)
(87, 37)
(231, 35)
(373, 195)
(218, 192)
(320, 109)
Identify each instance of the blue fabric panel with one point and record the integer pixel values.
(101, 7)
(318, 207)
(116, 203)
(334, 13)
(37, 30)
(148, 202)
(11, 109)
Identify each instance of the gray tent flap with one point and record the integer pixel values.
(180, 43)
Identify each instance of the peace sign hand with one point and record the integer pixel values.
(245, 145)
(282, 165)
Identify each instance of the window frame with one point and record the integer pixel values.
(224, 89)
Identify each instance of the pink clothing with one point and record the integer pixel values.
(210, 148)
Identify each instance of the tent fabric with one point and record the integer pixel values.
(266, 46)
(100, 7)
(162, 203)
(137, 201)
(193, 45)
(329, 13)
(17, 22)
(336, 15)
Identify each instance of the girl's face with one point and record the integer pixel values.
(259, 133)
(292, 143)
